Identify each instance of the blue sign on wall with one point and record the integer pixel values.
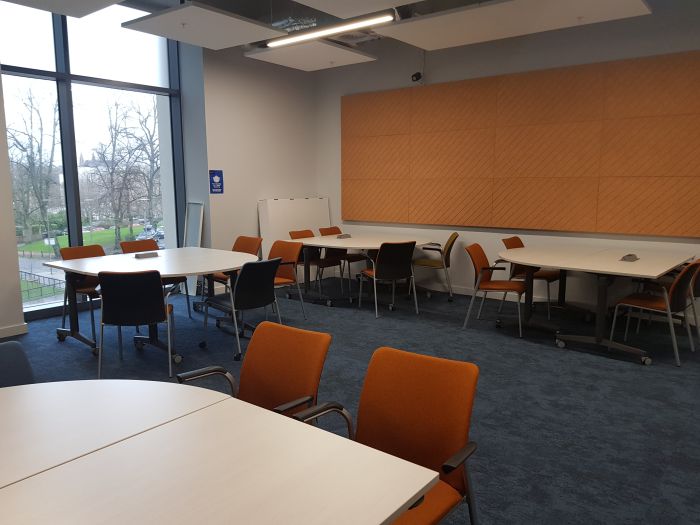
(216, 181)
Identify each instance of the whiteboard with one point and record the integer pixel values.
(277, 217)
(194, 214)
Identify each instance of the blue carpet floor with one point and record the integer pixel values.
(565, 436)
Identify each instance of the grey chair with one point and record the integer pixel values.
(14, 366)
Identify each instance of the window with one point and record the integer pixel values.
(118, 181)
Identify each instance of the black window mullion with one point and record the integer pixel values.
(67, 125)
(177, 139)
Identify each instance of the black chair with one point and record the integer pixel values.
(253, 286)
(133, 299)
(394, 263)
(14, 366)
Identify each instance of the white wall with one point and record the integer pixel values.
(672, 28)
(11, 316)
(260, 132)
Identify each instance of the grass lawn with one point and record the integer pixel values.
(103, 237)
(31, 291)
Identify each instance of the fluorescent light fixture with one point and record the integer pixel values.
(333, 30)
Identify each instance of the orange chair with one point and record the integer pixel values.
(281, 370)
(342, 254)
(287, 272)
(151, 245)
(84, 285)
(483, 283)
(314, 256)
(518, 271)
(673, 301)
(242, 244)
(418, 408)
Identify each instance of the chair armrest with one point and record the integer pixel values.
(428, 248)
(281, 409)
(317, 411)
(459, 457)
(200, 373)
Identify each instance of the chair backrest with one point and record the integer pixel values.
(82, 252)
(14, 365)
(246, 244)
(680, 288)
(331, 230)
(511, 243)
(418, 408)
(300, 234)
(254, 286)
(289, 253)
(394, 260)
(282, 364)
(479, 260)
(132, 299)
(145, 245)
(314, 254)
(447, 249)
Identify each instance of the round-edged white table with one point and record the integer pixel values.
(172, 262)
(116, 452)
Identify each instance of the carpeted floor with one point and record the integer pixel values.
(565, 436)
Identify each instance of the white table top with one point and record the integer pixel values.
(358, 242)
(172, 262)
(47, 424)
(651, 264)
(231, 462)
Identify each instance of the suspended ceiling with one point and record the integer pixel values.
(76, 8)
(311, 56)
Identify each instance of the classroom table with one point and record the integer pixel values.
(172, 262)
(606, 264)
(226, 462)
(363, 242)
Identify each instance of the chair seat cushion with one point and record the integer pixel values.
(369, 273)
(220, 302)
(645, 300)
(503, 286)
(283, 281)
(437, 503)
(88, 290)
(429, 263)
(220, 277)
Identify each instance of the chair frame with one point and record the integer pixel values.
(437, 247)
(483, 299)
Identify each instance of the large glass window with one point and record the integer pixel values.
(26, 37)
(100, 47)
(118, 138)
(38, 199)
(116, 142)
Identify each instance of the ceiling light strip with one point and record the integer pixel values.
(333, 30)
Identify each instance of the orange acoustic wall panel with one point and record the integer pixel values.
(611, 147)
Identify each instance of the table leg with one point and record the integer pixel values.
(73, 320)
(307, 270)
(561, 301)
(529, 293)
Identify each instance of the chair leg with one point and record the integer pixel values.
(520, 319)
(121, 347)
(449, 283)
(237, 357)
(99, 350)
(170, 345)
(341, 265)
(187, 296)
(359, 295)
(65, 303)
(503, 300)
(470, 499)
(92, 317)
(415, 295)
(672, 328)
(483, 299)
(639, 322)
(469, 310)
(612, 328)
(627, 324)
(376, 305)
(549, 302)
(301, 301)
(277, 309)
(690, 333)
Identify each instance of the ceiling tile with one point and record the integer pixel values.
(201, 25)
(506, 18)
(76, 8)
(351, 8)
(311, 56)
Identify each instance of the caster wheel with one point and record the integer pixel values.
(177, 359)
(61, 337)
(94, 351)
(202, 344)
(646, 361)
(560, 343)
(237, 357)
(428, 295)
